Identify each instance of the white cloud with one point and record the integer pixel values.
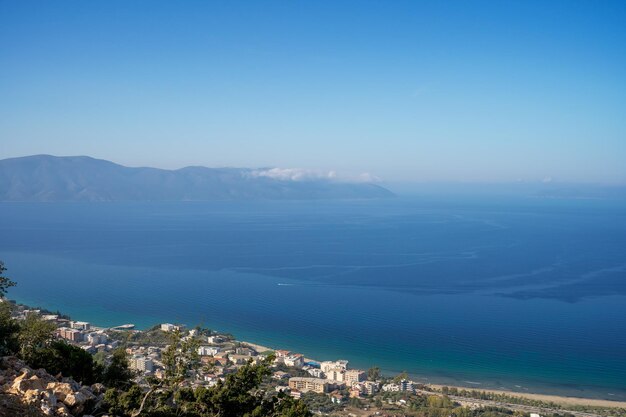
(301, 174)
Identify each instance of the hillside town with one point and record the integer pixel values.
(220, 354)
(327, 387)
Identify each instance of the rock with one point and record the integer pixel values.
(26, 370)
(74, 399)
(31, 396)
(98, 388)
(42, 374)
(11, 362)
(63, 411)
(49, 398)
(22, 384)
(60, 389)
(87, 393)
(46, 409)
(75, 385)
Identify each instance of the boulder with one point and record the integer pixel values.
(11, 362)
(49, 398)
(62, 411)
(46, 409)
(25, 370)
(87, 393)
(24, 383)
(75, 385)
(74, 399)
(31, 396)
(60, 389)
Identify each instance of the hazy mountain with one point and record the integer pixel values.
(81, 178)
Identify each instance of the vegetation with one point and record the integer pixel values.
(117, 374)
(9, 329)
(59, 357)
(238, 395)
(373, 374)
(154, 337)
(5, 283)
(320, 402)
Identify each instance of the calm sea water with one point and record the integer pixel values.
(520, 294)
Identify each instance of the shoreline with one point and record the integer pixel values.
(544, 397)
(547, 398)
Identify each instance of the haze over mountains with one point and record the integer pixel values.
(82, 178)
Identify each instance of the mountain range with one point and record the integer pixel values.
(82, 178)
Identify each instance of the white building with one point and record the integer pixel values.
(215, 340)
(354, 375)
(391, 387)
(96, 338)
(296, 360)
(315, 372)
(167, 327)
(406, 385)
(208, 350)
(336, 374)
(327, 365)
(80, 325)
(141, 363)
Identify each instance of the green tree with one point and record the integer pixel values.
(180, 358)
(400, 377)
(35, 333)
(373, 373)
(9, 329)
(5, 282)
(68, 360)
(117, 374)
(239, 395)
(99, 358)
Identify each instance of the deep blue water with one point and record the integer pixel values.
(515, 293)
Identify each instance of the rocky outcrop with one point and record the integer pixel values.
(28, 392)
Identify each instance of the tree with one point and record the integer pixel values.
(5, 282)
(180, 358)
(117, 374)
(373, 373)
(35, 333)
(68, 360)
(9, 328)
(398, 378)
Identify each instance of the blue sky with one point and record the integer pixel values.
(407, 91)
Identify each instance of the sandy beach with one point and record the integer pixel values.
(563, 400)
(545, 397)
(258, 348)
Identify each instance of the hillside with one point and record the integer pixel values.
(81, 178)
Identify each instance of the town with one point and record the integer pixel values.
(327, 387)
(220, 355)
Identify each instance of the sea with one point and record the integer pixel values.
(505, 292)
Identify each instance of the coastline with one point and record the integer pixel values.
(548, 398)
(544, 397)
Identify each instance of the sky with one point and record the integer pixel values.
(416, 91)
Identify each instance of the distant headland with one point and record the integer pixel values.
(82, 178)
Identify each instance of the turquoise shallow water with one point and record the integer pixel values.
(522, 295)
